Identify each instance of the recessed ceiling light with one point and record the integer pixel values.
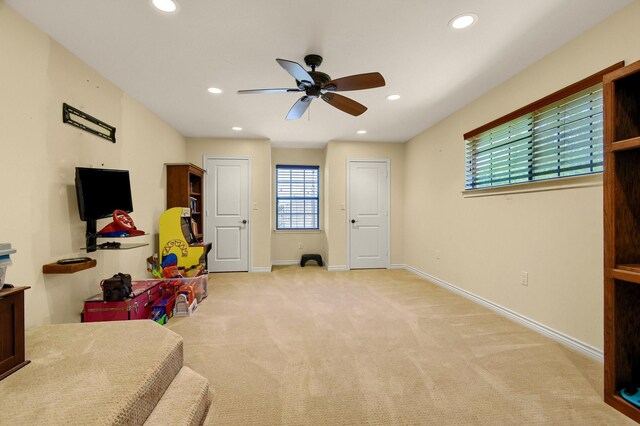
(214, 90)
(393, 97)
(236, 128)
(463, 21)
(361, 132)
(165, 5)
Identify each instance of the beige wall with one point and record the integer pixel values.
(483, 244)
(478, 244)
(338, 152)
(259, 150)
(285, 245)
(39, 154)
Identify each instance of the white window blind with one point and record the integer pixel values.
(297, 197)
(557, 140)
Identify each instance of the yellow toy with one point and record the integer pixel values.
(172, 239)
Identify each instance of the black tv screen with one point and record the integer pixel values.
(101, 191)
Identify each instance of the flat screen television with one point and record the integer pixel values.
(101, 191)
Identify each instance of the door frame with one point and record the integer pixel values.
(206, 158)
(348, 203)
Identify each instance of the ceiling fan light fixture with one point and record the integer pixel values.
(168, 6)
(393, 97)
(214, 90)
(463, 21)
(361, 132)
(236, 129)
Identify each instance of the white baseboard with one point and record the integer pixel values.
(284, 262)
(260, 269)
(397, 266)
(337, 268)
(583, 348)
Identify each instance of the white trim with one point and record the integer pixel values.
(387, 161)
(260, 269)
(577, 345)
(284, 262)
(397, 266)
(249, 159)
(297, 231)
(569, 182)
(337, 268)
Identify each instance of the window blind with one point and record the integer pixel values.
(297, 197)
(557, 140)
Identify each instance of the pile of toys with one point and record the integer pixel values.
(181, 292)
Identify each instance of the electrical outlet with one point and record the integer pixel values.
(437, 254)
(299, 246)
(524, 278)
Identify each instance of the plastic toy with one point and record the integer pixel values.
(121, 226)
(164, 306)
(183, 308)
(172, 240)
(631, 394)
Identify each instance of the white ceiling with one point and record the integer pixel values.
(168, 61)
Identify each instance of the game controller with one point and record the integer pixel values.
(73, 260)
(109, 245)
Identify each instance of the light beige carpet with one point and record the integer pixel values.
(303, 346)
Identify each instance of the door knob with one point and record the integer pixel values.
(353, 221)
(244, 221)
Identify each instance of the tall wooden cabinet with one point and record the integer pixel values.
(185, 188)
(622, 236)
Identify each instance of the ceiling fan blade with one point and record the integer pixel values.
(299, 108)
(355, 82)
(296, 70)
(344, 104)
(242, 92)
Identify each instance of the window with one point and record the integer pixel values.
(558, 136)
(297, 197)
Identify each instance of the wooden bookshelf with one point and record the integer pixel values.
(622, 236)
(185, 188)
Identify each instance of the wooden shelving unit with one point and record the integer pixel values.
(185, 188)
(622, 236)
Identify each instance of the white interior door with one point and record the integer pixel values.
(227, 215)
(368, 208)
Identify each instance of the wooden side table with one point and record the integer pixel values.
(12, 351)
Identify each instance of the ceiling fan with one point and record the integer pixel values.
(317, 84)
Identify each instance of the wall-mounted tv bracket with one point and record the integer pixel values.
(86, 122)
(91, 235)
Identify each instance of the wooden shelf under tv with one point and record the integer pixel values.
(70, 268)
